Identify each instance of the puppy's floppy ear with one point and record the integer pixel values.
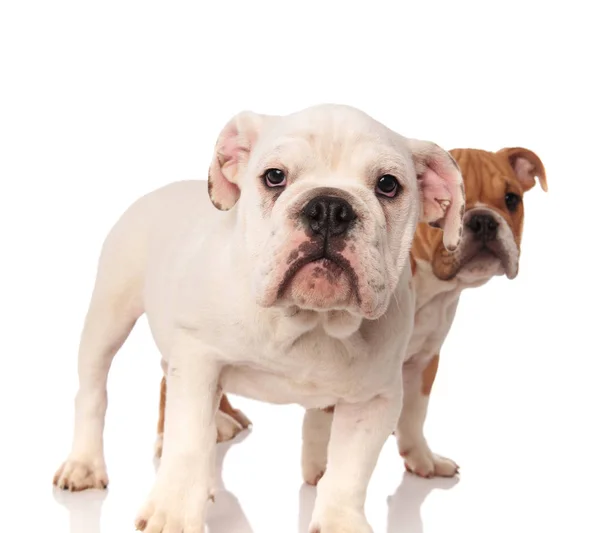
(526, 166)
(230, 157)
(442, 190)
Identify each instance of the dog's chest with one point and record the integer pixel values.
(315, 371)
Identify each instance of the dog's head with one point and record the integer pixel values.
(493, 223)
(328, 200)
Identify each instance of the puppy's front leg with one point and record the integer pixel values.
(177, 503)
(357, 436)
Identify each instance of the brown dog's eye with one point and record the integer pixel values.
(388, 186)
(512, 201)
(274, 177)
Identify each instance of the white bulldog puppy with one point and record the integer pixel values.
(295, 289)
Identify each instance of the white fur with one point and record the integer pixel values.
(227, 429)
(208, 280)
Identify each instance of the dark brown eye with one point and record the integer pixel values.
(274, 177)
(512, 201)
(388, 186)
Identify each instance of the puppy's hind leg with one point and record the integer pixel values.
(114, 308)
(316, 430)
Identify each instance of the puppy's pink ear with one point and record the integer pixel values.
(442, 190)
(526, 166)
(231, 155)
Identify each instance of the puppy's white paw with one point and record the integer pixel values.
(335, 520)
(77, 474)
(175, 505)
(419, 460)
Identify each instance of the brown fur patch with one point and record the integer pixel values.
(329, 409)
(429, 374)
(160, 428)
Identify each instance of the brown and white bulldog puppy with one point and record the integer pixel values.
(495, 183)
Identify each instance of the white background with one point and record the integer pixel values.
(101, 102)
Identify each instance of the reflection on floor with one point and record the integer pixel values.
(226, 514)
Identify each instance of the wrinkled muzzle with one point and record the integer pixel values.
(488, 248)
(325, 253)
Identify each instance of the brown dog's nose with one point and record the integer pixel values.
(484, 227)
(328, 215)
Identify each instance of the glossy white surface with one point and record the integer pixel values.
(103, 102)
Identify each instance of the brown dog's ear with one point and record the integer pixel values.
(526, 166)
(231, 155)
(442, 190)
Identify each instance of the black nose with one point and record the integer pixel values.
(484, 227)
(328, 215)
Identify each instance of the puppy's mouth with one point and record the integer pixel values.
(475, 261)
(481, 253)
(490, 258)
(319, 276)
